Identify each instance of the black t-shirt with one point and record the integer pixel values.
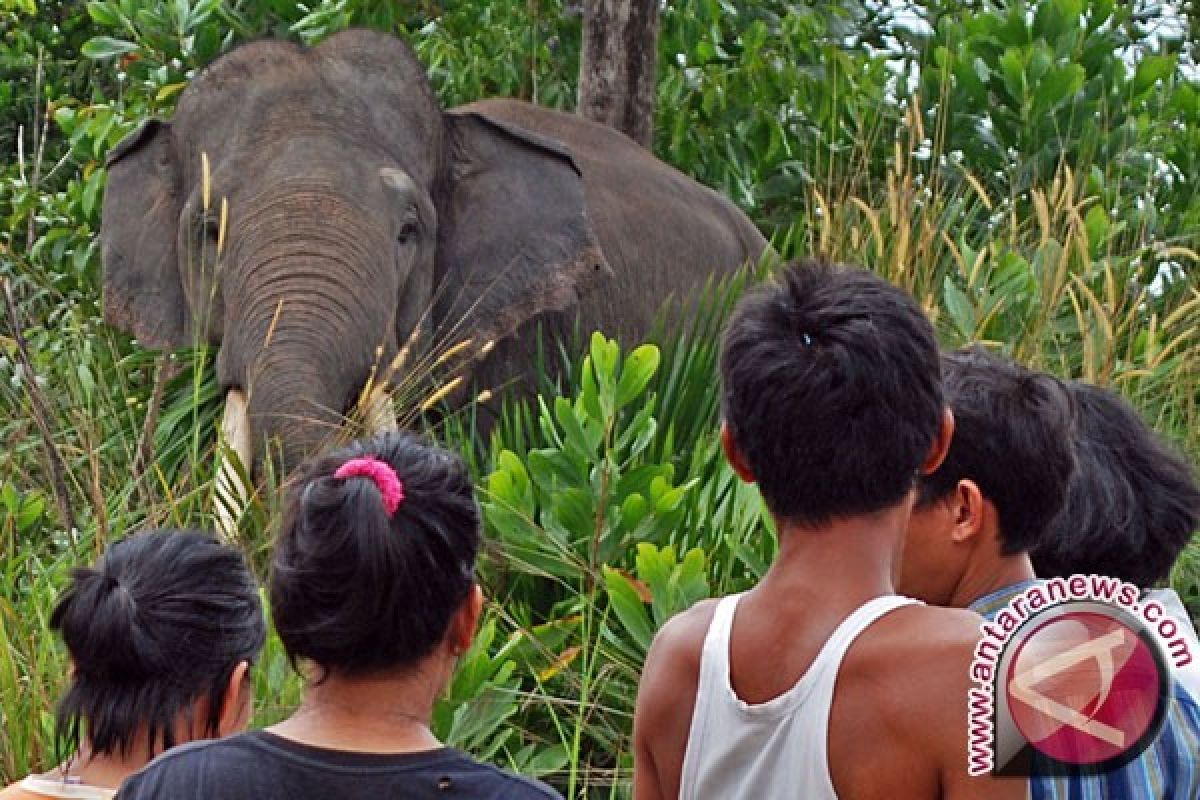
(262, 766)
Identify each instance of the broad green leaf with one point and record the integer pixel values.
(1097, 224)
(636, 372)
(1012, 70)
(101, 47)
(629, 608)
(1057, 87)
(1150, 70)
(961, 312)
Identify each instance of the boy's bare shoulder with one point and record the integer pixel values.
(680, 641)
(672, 671)
(672, 667)
(927, 635)
(915, 655)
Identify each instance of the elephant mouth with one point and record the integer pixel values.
(369, 410)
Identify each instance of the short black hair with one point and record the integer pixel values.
(1013, 430)
(831, 388)
(356, 592)
(1133, 504)
(162, 619)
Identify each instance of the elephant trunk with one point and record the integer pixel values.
(311, 288)
(292, 412)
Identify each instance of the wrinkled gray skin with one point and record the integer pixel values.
(356, 204)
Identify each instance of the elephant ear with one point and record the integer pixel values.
(514, 239)
(142, 290)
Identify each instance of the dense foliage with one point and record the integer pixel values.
(1028, 170)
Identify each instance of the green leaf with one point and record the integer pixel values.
(589, 391)
(981, 70)
(693, 578)
(654, 566)
(65, 117)
(575, 510)
(551, 469)
(1058, 85)
(169, 90)
(577, 440)
(669, 501)
(1151, 70)
(517, 489)
(31, 511)
(512, 526)
(1040, 62)
(101, 47)
(1096, 224)
(103, 13)
(633, 510)
(961, 312)
(604, 359)
(1100, 11)
(91, 192)
(636, 373)
(629, 608)
(1012, 70)
(549, 760)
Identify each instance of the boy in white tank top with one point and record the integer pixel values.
(820, 682)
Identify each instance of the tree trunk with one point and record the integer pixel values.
(617, 67)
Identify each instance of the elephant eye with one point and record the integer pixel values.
(407, 229)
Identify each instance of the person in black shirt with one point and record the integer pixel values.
(374, 597)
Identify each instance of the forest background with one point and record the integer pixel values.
(1027, 170)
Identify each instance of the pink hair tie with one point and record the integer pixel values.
(385, 478)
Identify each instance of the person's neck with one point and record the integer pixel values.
(388, 713)
(990, 572)
(106, 770)
(843, 563)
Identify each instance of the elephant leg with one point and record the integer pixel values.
(232, 495)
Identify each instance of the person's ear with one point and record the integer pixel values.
(239, 696)
(466, 622)
(941, 444)
(734, 455)
(968, 511)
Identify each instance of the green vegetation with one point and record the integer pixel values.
(1028, 170)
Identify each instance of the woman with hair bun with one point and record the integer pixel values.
(373, 594)
(161, 633)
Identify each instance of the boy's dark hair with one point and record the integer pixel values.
(1133, 503)
(162, 619)
(831, 388)
(1012, 437)
(356, 592)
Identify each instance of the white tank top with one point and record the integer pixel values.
(776, 749)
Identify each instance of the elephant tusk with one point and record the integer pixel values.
(377, 413)
(232, 496)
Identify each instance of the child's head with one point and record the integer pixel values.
(1012, 438)
(1132, 504)
(831, 389)
(161, 632)
(1004, 476)
(376, 555)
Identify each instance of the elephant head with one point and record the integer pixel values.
(357, 211)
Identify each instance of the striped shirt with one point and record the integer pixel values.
(1169, 769)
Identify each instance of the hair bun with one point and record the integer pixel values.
(100, 625)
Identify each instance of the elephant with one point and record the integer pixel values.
(361, 217)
